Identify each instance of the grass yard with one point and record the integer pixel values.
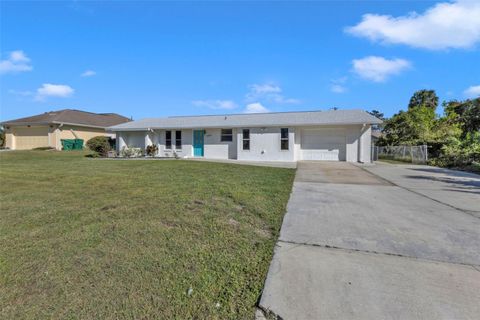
(394, 161)
(86, 238)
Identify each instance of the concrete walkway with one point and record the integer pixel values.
(357, 243)
(275, 164)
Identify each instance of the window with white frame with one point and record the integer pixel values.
(246, 139)
(168, 140)
(178, 139)
(284, 138)
(227, 135)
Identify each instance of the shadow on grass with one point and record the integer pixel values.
(93, 155)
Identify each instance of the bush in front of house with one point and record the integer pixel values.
(129, 152)
(2, 137)
(151, 150)
(101, 145)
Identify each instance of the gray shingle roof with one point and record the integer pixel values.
(71, 116)
(332, 117)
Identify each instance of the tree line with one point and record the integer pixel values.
(453, 138)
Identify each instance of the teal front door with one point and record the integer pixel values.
(198, 143)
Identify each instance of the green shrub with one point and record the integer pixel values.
(130, 152)
(459, 153)
(2, 136)
(151, 150)
(100, 145)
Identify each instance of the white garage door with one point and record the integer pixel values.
(323, 144)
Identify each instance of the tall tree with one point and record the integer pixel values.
(426, 98)
(465, 113)
(413, 127)
(378, 115)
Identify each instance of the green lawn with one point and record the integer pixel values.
(394, 161)
(85, 238)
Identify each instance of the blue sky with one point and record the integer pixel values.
(150, 59)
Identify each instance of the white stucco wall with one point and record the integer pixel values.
(366, 143)
(359, 143)
(185, 152)
(135, 139)
(120, 140)
(265, 145)
(214, 148)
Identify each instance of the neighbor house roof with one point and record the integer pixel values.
(73, 117)
(305, 118)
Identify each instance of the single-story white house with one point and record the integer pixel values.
(339, 135)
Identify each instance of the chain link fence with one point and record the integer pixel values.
(410, 154)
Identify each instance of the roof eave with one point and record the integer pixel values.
(18, 124)
(114, 129)
(79, 124)
(13, 124)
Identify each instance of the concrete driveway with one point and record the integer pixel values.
(460, 190)
(377, 242)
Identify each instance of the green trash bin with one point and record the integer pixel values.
(68, 144)
(78, 144)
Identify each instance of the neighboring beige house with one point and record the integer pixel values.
(47, 129)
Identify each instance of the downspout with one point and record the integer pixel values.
(57, 142)
(360, 144)
(74, 134)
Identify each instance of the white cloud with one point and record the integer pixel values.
(338, 88)
(445, 25)
(53, 90)
(88, 73)
(472, 92)
(268, 92)
(20, 93)
(378, 69)
(265, 88)
(255, 97)
(17, 62)
(255, 107)
(338, 85)
(18, 56)
(215, 104)
(282, 99)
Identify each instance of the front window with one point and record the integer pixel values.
(178, 139)
(284, 138)
(246, 139)
(168, 140)
(227, 135)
